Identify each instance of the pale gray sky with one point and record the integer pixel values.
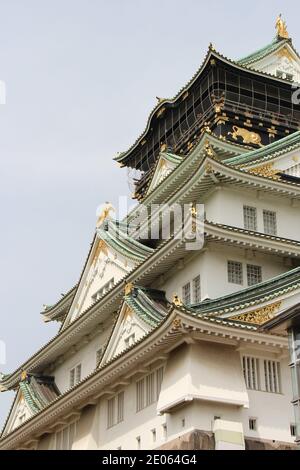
(81, 78)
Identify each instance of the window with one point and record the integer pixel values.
(165, 431)
(235, 272)
(196, 290)
(129, 341)
(183, 423)
(138, 442)
(153, 435)
(148, 389)
(250, 218)
(254, 275)
(293, 429)
(289, 76)
(251, 372)
(279, 74)
(64, 438)
(272, 376)
(75, 375)
(270, 224)
(103, 290)
(252, 424)
(115, 410)
(98, 356)
(186, 293)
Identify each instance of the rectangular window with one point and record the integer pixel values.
(254, 274)
(186, 293)
(252, 424)
(148, 389)
(235, 272)
(272, 376)
(293, 429)
(140, 403)
(75, 375)
(115, 410)
(250, 218)
(270, 223)
(64, 438)
(150, 397)
(165, 431)
(196, 290)
(251, 372)
(289, 76)
(279, 74)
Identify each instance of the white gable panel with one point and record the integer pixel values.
(104, 269)
(19, 414)
(163, 169)
(283, 62)
(128, 330)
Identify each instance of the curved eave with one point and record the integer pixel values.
(260, 54)
(171, 102)
(60, 309)
(163, 337)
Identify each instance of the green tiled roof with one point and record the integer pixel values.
(149, 304)
(263, 52)
(38, 392)
(114, 234)
(263, 292)
(286, 144)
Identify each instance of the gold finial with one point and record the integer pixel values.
(163, 147)
(160, 100)
(23, 375)
(281, 28)
(177, 301)
(108, 207)
(128, 288)
(212, 47)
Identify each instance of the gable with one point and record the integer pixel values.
(283, 63)
(128, 330)
(165, 165)
(20, 412)
(104, 268)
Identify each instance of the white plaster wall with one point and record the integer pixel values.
(86, 356)
(211, 264)
(225, 206)
(274, 412)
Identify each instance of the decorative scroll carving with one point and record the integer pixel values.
(128, 288)
(259, 316)
(177, 323)
(249, 137)
(266, 170)
(177, 301)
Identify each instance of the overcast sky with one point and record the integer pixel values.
(81, 78)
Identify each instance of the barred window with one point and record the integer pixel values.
(235, 272)
(251, 372)
(115, 410)
(254, 274)
(250, 218)
(196, 290)
(75, 375)
(270, 223)
(186, 293)
(64, 438)
(148, 389)
(272, 376)
(252, 424)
